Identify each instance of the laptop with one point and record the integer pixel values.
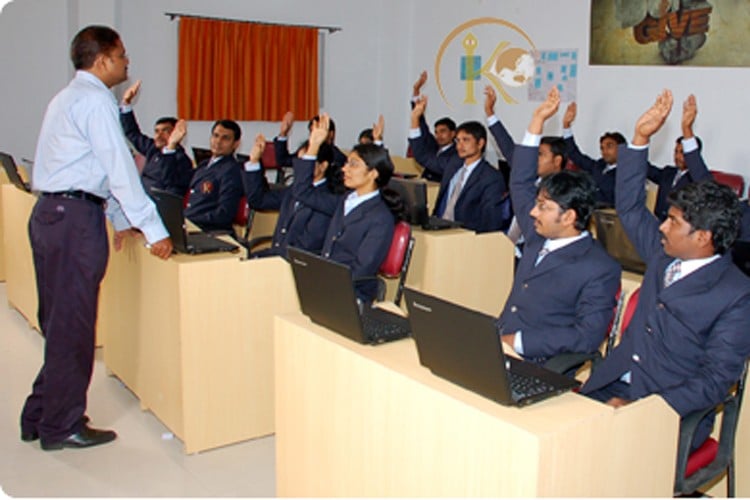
(463, 347)
(612, 236)
(326, 294)
(11, 169)
(414, 195)
(169, 206)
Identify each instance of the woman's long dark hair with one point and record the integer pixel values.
(376, 157)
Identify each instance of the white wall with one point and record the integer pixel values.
(370, 66)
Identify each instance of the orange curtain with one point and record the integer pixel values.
(245, 71)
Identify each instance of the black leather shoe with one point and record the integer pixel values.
(33, 435)
(84, 438)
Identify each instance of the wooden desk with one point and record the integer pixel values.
(192, 338)
(474, 270)
(354, 420)
(404, 165)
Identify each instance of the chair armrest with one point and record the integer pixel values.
(688, 426)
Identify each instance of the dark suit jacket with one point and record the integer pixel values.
(504, 140)
(215, 194)
(480, 206)
(170, 172)
(564, 304)
(605, 183)
(284, 159)
(687, 342)
(361, 240)
(745, 226)
(298, 224)
(427, 153)
(696, 172)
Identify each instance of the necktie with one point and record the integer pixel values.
(672, 273)
(450, 207)
(677, 177)
(544, 251)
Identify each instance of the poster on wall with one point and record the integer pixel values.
(670, 32)
(554, 68)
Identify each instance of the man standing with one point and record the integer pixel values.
(82, 165)
(167, 166)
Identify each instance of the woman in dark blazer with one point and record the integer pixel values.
(361, 228)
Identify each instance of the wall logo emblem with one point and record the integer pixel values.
(480, 51)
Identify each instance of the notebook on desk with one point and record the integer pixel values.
(463, 347)
(169, 206)
(414, 195)
(11, 170)
(326, 294)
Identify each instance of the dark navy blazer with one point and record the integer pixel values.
(687, 342)
(427, 153)
(564, 304)
(605, 183)
(215, 194)
(298, 224)
(663, 177)
(480, 205)
(170, 172)
(285, 159)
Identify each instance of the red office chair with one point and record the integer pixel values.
(269, 162)
(734, 181)
(243, 217)
(396, 262)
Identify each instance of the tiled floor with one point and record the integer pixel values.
(143, 462)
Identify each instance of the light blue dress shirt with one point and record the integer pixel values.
(82, 147)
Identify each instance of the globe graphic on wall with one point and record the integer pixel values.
(514, 67)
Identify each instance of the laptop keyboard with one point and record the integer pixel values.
(379, 331)
(523, 386)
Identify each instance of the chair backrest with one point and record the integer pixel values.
(268, 160)
(396, 263)
(734, 181)
(242, 214)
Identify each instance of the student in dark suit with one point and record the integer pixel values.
(167, 166)
(299, 224)
(361, 229)
(689, 165)
(281, 146)
(688, 338)
(437, 152)
(472, 192)
(603, 170)
(564, 289)
(216, 186)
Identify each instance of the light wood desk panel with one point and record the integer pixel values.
(3, 182)
(354, 420)
(473, 270)
(192, 338)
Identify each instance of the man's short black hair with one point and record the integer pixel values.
(558, 147)
(474, 129)
(710, 206)
(615, 136)
(166, 119)
(571, 190)
(447, 122)
(89, 43)
(231, 125)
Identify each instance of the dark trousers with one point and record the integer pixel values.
(69, 243)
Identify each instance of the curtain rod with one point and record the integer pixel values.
(173, 15)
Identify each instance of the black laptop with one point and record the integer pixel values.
(463, 347)
(612, 236)
(170, 210)
(326, 294)
(413, 192)
(11, 169)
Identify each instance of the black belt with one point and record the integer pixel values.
(75, 195)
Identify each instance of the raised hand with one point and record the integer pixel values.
(378, 128)
(689, 112)
(570, 115)
(131, 92)
(417, 88)
(420, 104)
(546, 109)
(490, 98)
(651, 121)
(318, 133)
(256, 152)
(178, 133)
(286, 124)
